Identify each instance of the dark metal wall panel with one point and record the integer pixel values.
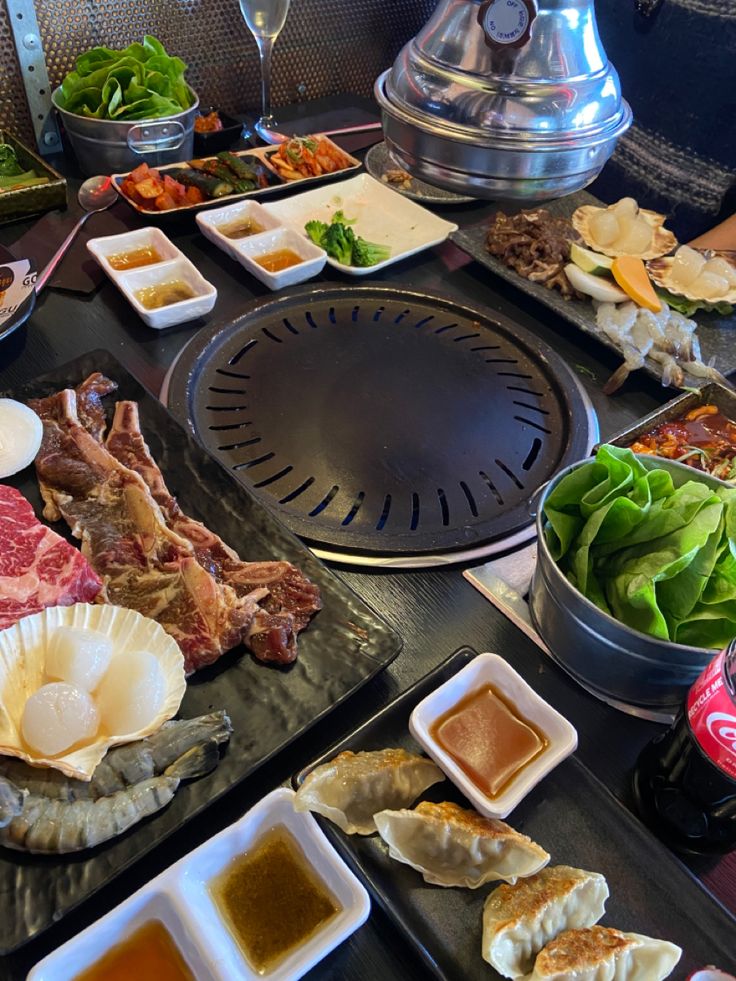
(327, 46)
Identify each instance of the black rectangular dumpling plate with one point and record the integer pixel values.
(381, 420)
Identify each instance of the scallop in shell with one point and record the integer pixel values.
(617, 232)
(23, 652)
(697, 274)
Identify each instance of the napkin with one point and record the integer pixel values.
(77, 272)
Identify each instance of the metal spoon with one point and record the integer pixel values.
(96, 194)
(273, 136)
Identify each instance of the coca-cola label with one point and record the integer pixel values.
(711, 713)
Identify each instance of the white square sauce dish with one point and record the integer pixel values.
(226, 227)
(492, 734)
(187, 902)
(132, 250)
(168, 293)
(253, 252)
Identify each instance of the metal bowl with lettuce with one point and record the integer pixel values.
(635, 583)
(121, 108)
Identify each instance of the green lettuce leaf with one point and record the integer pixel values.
(659, 558)
(139, 82)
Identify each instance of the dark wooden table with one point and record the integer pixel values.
(435, 611)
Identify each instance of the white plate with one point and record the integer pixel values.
(173, 265)
(210, 223)
(381, 216)
(490, 669)
(179, 898)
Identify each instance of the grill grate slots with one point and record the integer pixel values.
(532, 408)
(536, 425)
(509, 473)
(325, 502)
(532, 455)
(299, 490)
(272, 480)
(423, 426)
(248, 464)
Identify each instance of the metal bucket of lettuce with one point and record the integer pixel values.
(635, 582)
(121, 108)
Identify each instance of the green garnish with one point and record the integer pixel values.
(341, 243)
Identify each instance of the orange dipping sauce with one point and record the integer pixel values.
(281, 259)
(148, 954)
(488, 739)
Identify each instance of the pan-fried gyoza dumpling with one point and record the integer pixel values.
(519, 920)
(353, 787)
(451, 846)
(603, 954)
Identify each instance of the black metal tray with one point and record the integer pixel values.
(714, 332)
(345, 646)
(577, 820)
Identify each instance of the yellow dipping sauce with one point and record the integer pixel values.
(241, 228)
(145, 256)
(281, 259)
(164, 294)
(271, 899)
(149, 954)
(488, 738)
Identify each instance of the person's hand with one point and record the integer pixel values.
(722, 238)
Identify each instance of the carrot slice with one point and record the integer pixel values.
(631, 275)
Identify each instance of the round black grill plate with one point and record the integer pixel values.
(381, 420)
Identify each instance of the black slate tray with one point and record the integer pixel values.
(576, 819)
(345, 646)
(714, 332)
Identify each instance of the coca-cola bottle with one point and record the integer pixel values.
(685, 780)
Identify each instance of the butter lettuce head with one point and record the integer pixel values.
(140, 82)
(659, 558)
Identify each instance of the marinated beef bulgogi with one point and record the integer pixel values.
(536, 245)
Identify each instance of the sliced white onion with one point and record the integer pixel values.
(595, 286)
(21, 431)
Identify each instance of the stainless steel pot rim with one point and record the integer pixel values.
(122, 122)
(655, 642)
(519, 141)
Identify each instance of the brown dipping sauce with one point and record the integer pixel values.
(281, 259)
(241, 228)
(145, 256)
(148, 954)
(164, 294)
(272, 900)
(489, 739)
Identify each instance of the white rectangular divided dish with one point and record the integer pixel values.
(179, 898)
(174, 265)
(381, 216)
(484, 670)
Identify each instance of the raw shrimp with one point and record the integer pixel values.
(58, 815)
(124, 766)
(11, 802)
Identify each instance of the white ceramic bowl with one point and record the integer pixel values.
(210, 223)
(179, 898)
(174, 265)
(490, 669)
(313, 258)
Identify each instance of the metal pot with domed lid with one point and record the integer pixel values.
(511, 99)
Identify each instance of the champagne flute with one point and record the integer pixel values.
(265, 20)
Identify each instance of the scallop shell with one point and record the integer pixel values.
(660, 269)
(22, 656)
(663, 240)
